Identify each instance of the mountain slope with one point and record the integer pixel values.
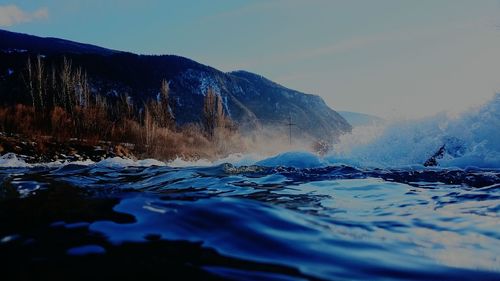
(249, 99)
(273, 103)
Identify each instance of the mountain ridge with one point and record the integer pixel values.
(250, 99)
(17, 40)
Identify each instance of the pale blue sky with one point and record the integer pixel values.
(392, 58)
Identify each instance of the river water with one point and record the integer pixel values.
(115, 220)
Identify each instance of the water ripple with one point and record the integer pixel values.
(274, 223)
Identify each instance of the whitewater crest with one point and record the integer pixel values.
(466, 140)
(295, 159)
(12, 160)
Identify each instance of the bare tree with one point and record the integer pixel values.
(30, 80)
(167, 115)
(53, 85)
(213, 113)
(66, 86)
(150, 127)
(40, 83)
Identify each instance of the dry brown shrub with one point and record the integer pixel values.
(4, 118)
(23, 119)
(61, 124)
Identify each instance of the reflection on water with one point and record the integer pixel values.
(249, 223)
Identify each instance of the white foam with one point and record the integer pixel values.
(117, 162)
(296, 159)
(236, 159)
(179, 163)
(10, 160)
(413, 142)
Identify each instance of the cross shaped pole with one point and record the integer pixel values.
(290, 124)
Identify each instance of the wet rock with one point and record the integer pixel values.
(47, 149)
(432, 161)
(452, 148)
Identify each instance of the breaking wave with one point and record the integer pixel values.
(466, 140)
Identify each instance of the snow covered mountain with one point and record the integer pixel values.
(252, 101)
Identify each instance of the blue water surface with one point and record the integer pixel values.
(256, 223)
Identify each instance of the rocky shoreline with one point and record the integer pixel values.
(47, 149)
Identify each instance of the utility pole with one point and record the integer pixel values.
(290, 124)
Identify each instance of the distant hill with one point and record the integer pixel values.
(360, 119)
(251, 100)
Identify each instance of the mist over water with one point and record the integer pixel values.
(470, 139)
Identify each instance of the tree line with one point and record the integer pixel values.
(64, 105)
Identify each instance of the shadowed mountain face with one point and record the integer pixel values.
(273, 103)
(249, 99)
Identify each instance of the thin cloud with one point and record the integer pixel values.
(307, 54)
(11, 15)
(360, 42)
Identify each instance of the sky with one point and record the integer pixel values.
(390, 58)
